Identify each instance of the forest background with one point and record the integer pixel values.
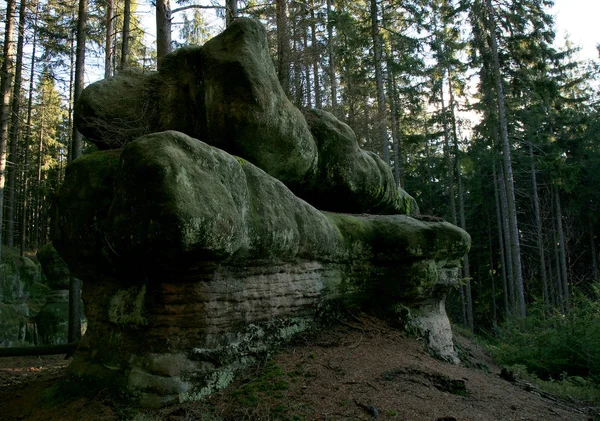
(486, 120)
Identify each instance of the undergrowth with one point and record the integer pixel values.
(558, 350)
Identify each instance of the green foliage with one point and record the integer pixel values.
(270, 383)
(554, 346)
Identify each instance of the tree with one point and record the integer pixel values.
(6, 80)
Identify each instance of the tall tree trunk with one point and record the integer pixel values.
(231, 11)
(126, 34)
(307, 67)
(492, 277)
(461, 202)
(508, 173)
(6, 80)
(15, 128)
(593, 248)
(283, 45)
(562, 248)
(558, 273)
(74, 283)
(315, 58)
(38, 181)
(108, 45)
(507, 240)
(448, 159)
(538, 229)
(163, 30)
(393, 122)
(330, 49)
(381, 108)
(501, 245)
(79, 71)
(28, 139)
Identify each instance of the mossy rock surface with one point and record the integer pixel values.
(175, 197)
(114, 111)
(54, 267)
(227, 94)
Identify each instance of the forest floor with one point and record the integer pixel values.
(360, 369)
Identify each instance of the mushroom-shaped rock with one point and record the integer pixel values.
(206, 257)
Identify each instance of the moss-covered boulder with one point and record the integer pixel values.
(348, 178)
(206, 258)
(54, 267)
(114, 111)
(197, 250)
(226, 93)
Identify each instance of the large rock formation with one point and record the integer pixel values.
(196, 247)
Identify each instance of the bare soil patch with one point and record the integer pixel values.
(357, 370)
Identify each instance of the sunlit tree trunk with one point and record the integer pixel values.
(381, 106)
(6, 82)
(283, 45)
(231, 11)
(163, 30)
(15, 129)
(330, 50)
(315, 58)
(108, 46)
(24, 166)
(126, 34)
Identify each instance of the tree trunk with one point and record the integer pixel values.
(283, 45)
(515, 247)
(74, 283)
(15, 128)
(28, 139)
(461, 203)
(307, 68)
(560, 299)
(381, 110)
(79, 72)
(126, 35)
(393, 122)
(108, 48)
(163, 30)
(448, 159)
(332, 78)
(501, 244)
(231, 12)
(562, 248)
(538, 229)
(6, 80)
(593, 248)
(315, 58)
(507, 235)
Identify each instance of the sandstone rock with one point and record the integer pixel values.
(54, 267)
(206, 256)
(226, 93)
(349, 179)
(110, 123)
(197, 251)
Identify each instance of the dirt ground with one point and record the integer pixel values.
(357, 370)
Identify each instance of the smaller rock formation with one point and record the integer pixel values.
(52, 321)
(21, 297)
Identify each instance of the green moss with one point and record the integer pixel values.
(127, 307)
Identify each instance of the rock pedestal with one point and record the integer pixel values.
(196, 247)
